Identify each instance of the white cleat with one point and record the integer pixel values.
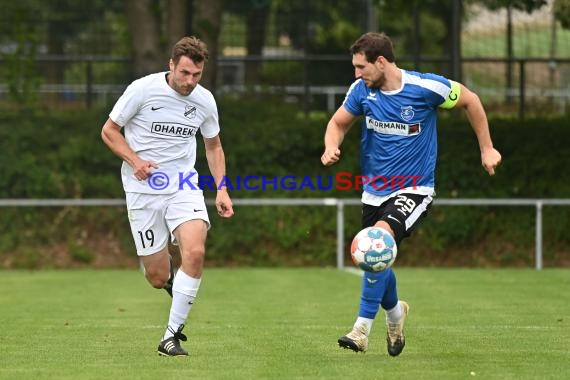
(395, 334)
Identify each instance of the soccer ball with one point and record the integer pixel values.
(373, 249)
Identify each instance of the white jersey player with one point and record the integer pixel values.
(161, 126)
(161, 114)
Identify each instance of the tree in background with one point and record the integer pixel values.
(207, 21)
(562, 12)
(256, 14)
(154, 27)
(144, 31)
(320, 26)
(63, 18)
(522, 5)
(147, 51)
(32, 28)
(63, 21)
(20, 41)
(423, 31)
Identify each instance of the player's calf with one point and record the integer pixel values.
(170, 282)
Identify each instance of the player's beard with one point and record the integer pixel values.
(377, 82)
(183, 90)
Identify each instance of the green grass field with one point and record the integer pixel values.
(283, 324)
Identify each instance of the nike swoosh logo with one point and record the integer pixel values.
(156, 108)
(391, 217)
(371, 281)
(197, 210)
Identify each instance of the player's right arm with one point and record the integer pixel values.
(112, 137)
(337, 128)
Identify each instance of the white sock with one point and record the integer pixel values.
(184, 291)
(394, 314)
(365, 322)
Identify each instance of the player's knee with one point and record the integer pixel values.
(195, 255)
(196, 261)
(383, 224)
(156, 282)
(157, 278)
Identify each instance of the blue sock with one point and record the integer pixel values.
(378, 288)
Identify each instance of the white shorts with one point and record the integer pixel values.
(153, 217)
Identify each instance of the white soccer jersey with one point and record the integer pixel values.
(160, 125)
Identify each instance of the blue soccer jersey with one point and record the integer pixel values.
(399, 137)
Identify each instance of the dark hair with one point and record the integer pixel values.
(374, 45)
(190, 47)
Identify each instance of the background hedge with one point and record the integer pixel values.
(56, 154)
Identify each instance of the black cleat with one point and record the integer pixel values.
(171, 346)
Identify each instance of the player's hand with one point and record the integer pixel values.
(143, 169)
(330, 156)
(224, 204)
(490, 159)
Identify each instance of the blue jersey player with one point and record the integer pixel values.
(398, 157)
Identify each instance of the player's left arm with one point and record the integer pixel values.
(460, 96)
(217, 165)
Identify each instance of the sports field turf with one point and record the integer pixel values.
(283, 324)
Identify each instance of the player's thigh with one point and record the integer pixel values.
(191, 236)
(187, 218)
(146, 219)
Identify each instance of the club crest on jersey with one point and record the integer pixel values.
(190, 112)
(407, 113)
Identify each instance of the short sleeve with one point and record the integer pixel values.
(211, 125)
(352, 101)
(128, 104)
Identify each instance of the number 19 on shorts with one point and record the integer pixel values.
(147, 238)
